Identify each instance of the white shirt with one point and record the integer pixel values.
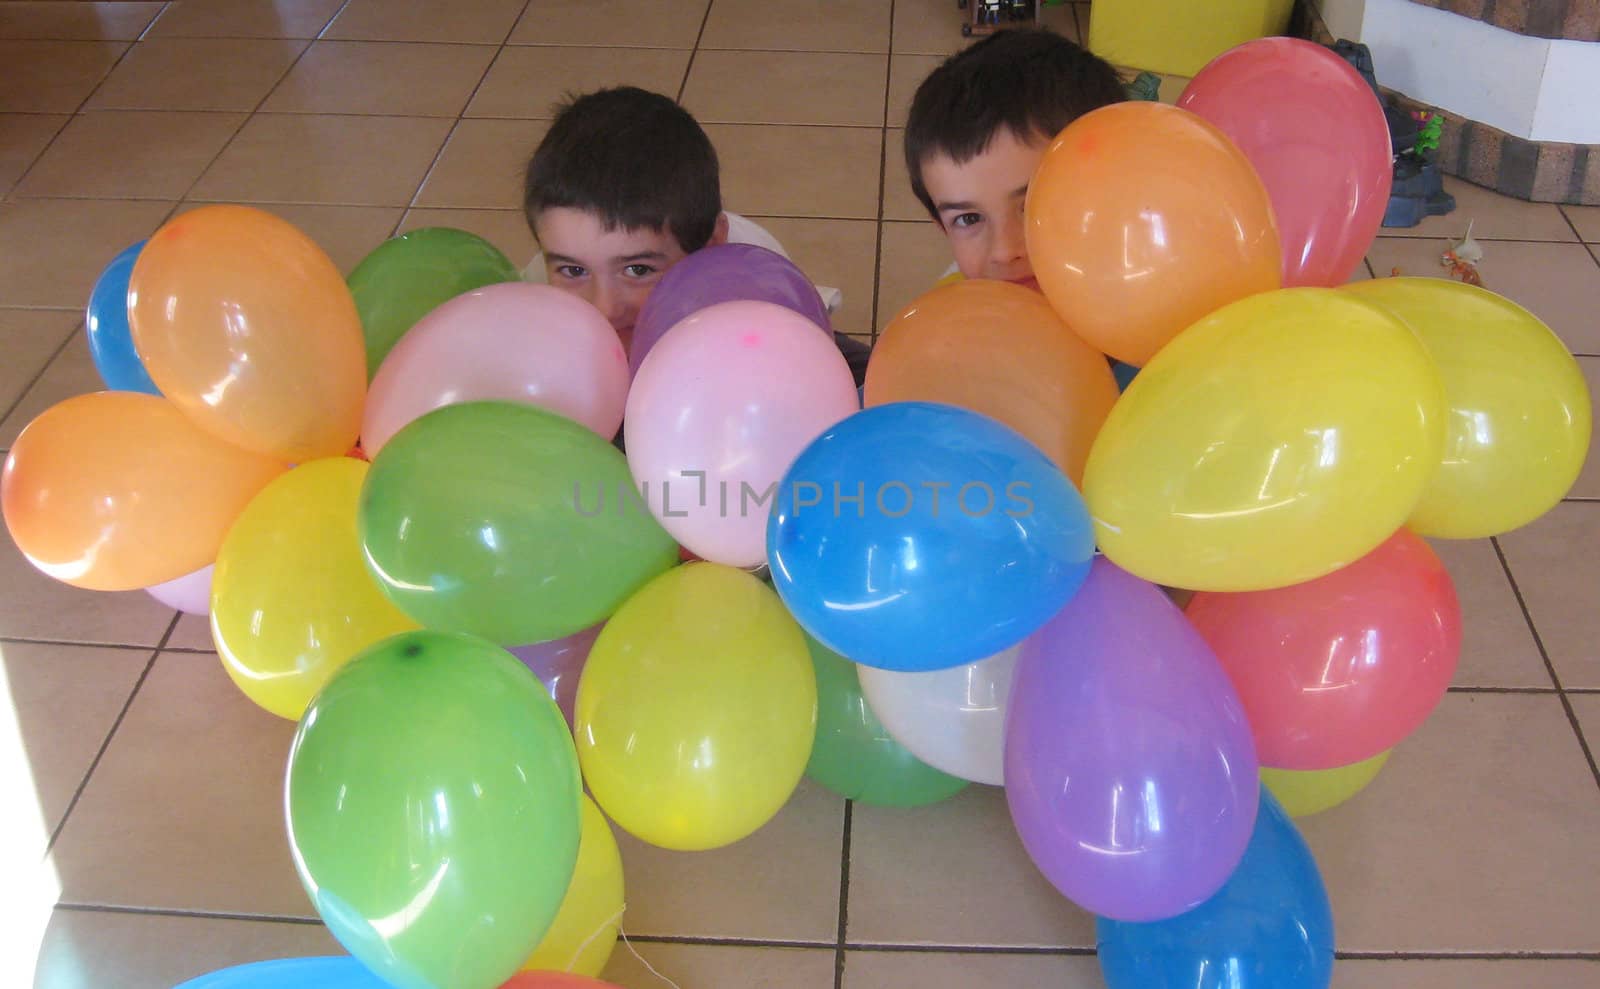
(741, 230)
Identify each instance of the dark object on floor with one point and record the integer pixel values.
(989, 16)
(1418, 185)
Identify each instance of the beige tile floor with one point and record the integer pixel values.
(1473, 862)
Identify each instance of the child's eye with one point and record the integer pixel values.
(638, 271)
(966, 220)
(571, 271)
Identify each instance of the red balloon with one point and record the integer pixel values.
(1316, 134)
(555, 980)
(1341, 668)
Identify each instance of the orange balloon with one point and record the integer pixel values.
(1142, 219)
(116, 491)
(249, 328)
(1000, 350)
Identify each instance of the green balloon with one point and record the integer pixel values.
(407, 276)
(854, 756)
(508, 522)
(433, 801)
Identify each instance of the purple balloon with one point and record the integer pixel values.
(190, 594)
(724, 273)
(1129, 766)
(558, 664)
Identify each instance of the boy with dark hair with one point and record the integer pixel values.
(978, 126)
(624, 185)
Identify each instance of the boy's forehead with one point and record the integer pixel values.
(1005, 165)
(578, 232)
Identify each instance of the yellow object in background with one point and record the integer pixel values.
(1179, 37)
(581, 937)
(291, 600)
(1306, 792)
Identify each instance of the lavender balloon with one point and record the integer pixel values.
(558, 663)
(1129, 766)
(190, 594)
(724, 273)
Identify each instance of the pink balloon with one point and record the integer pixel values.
(190, 594)
(720, 409)
(512, 341)
(1316, 134)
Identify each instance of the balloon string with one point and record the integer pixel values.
(615, 920)
(629, 944)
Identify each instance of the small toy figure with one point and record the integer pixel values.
(1146, 87)
(1428, 137)
(1462, 258)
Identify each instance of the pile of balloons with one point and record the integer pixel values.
(491, 641)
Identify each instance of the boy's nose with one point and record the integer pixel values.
(611, 304)
(1009, 244)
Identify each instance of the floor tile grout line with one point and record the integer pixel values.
(683, 85)
(127, 48)
(877, 947)
(24, 640)
(1570, 225)
(111, 734)
(883, 183)
(249, 116)
(460, 115)
(1549, 664)
(1470, 689)
(704, 122)
(1488, 956)
(844, 898)
(33, 382)
(165, 7)
(191, 914)
(190, 198)
(1413, 238)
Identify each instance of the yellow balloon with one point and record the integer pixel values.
(291, 598)
(581, 937)
(1304, 792)
(1518, 412)
(1282, 437)
(696, 709)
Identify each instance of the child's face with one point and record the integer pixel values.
(612, 270)
(980, 206)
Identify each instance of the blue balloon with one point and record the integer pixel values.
(292, 973)
(1269, 927)
(915, 536)
(1124, 373)
(110, 340)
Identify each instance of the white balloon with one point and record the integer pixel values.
(954, 720)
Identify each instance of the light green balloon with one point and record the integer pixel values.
(507, 521)
(408, 276)
(854, 755)
(433, 802)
